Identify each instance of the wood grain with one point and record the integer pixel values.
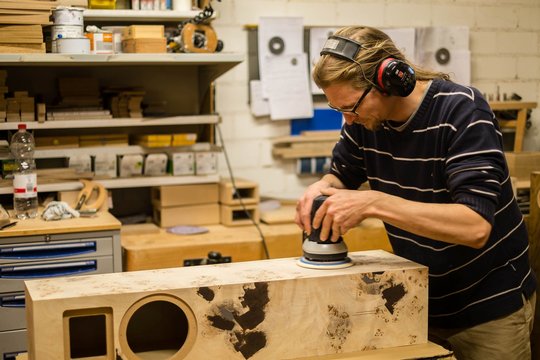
(271, 309)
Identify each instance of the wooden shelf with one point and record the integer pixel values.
(224, 60)
(135, 182)
(128, 15)
(518, 124)
(117, 150)
(116, 122)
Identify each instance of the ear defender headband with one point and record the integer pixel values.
(392, 77)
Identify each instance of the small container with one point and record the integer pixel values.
(66, 31)
(72, 46)
(66, 15)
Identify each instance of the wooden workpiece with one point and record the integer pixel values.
(102, 221)
(271, 309)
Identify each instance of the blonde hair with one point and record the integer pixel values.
(376, 46)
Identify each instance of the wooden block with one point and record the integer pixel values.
(145, 251)
(144, 32)
(284, 214)
(521, 164)
(144, 45)
(177, 195)
(207, 214)
(237, 215)
(270, 309)
(247, 190)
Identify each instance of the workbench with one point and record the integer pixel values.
(35, 248)
(150, 247)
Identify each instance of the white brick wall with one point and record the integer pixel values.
(504, 42)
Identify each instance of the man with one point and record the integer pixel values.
(432, 153)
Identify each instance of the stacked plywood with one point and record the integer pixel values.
(309, 144)
(21, 39)
(20, 107)
(20, 25)
(80, 99)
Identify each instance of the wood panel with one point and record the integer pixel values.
(271, 309)
(102, 221)
(534, 239)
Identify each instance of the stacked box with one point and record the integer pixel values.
(239, 202)
(186, 205)
(144, 39)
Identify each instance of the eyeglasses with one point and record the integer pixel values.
(353, 109)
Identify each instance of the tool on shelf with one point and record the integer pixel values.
(87, 193)
(323, 254)
(196, 35)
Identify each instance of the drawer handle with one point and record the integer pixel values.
(47, 270)
(47, 250)
(12, 301)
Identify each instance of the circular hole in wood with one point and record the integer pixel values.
(158, 327)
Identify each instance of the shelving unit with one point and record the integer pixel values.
(181, 81)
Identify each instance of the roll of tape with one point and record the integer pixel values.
(68, 16)
(67, 31)
(73, 46)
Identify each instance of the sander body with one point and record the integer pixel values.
(323, 254)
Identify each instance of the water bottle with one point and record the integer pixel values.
(25, 200)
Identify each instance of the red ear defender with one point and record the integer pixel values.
(395, 77)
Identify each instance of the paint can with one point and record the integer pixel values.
(65, 15)
(66, 31)
(72, 45)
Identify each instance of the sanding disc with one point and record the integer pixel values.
(324, 265)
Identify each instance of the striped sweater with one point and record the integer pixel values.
(450, 151)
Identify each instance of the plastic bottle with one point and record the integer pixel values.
(25, 200)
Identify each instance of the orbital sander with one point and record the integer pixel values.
(320, 254)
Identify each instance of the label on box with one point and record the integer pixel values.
(155, 164)
(131, 165)
(183, 164)
(81, 163)
(105, 165)
(101, 43)
(205, 163)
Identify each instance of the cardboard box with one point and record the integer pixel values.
(206, 214)
(179, 195)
